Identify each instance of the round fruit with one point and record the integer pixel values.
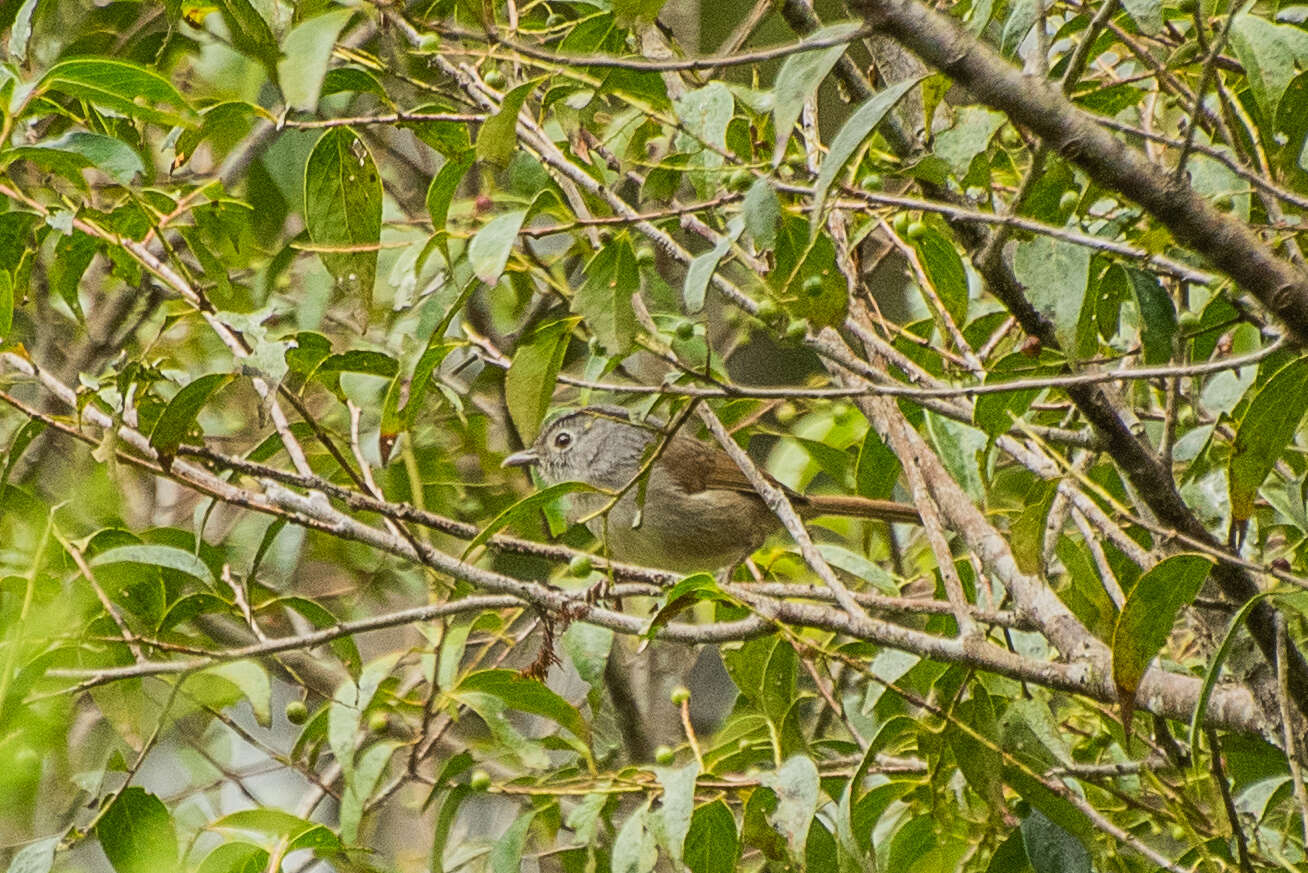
(740, 179)
(901, 222)
(813, 286)
(685, 330)
(767, 309)
(917, 230)
(479, 780)
(664, 755)
(378, 721)
(1068, 201)
(870, 182)
(580, 566)
(297, 712)
(679, 695)
(797, 329)
(494, 78)
(645, 255)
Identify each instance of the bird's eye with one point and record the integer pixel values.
(563, 440)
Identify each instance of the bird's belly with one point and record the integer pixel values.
(681, 541)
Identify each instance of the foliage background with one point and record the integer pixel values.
(281, 284)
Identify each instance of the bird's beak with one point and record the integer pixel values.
(524, 458)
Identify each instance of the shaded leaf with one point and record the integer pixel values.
(498, 137)
(137, 833)
(342, 208)
(1147, 617)
(178, 417)
(1267, 427)
(529, 384)
(123, 87)
(799, 78)
(307, 49)
(156, 556)
(855, 131)
(526, 694)
(712, 845)
(604, 299)
(489, 250)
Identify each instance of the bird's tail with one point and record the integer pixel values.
(860, 507)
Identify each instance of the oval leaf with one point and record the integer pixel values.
(527, 695)
(179, 416)
(342, 209)
(1147, 617)
(1266, 429)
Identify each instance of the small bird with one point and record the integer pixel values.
(699, 512)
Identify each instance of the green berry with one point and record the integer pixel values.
(767, 310)
(900, 222)
(494, 78)
(378, 721)
(580, 566)
(430, 43)
(297, 712)
(679, 695)
(645, 255)
(917, 230)
(664, 755)
(479, 780)
(797, 329)
(813, 286)
(786, 413)
(870, 182)
(1068, 201)
(685, 330)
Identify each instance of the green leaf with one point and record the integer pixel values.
(1269, 53)
(677, 805)
(796, 786)
(360, 785)
(273, 822)
(250, 32)
(1215, 669)
(855, 131)
(762, 210)
(235, 858)
(529, 384)
(344, 718)
(1147, 617)
(178, 417)
(604, 299)
(122, 87)
(22, 438)
(506, 853)
(944, 269)
(137, 833)
(224, 122)
(527, 695)
(704, 114)
(701, 269)
(6, 303)
(1267, 427)
(1056, 275)
(877, 469)
(798, 79)
(342, 208)
(498, 138)
(525, 508)
(712, 845)
(689, 591)
(440, 193)
(1148, 16)
(168, 557)
(1157, 316)
(1052, 849)
(308, 49)
(995, 413)
(73, 254)
(1022, 17)
(252, 680)
(980, 763)
(35, 857)
(968, 137)
(76, 150)
(633, 848)
(489, 251)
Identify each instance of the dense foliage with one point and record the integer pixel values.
(282, 283)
